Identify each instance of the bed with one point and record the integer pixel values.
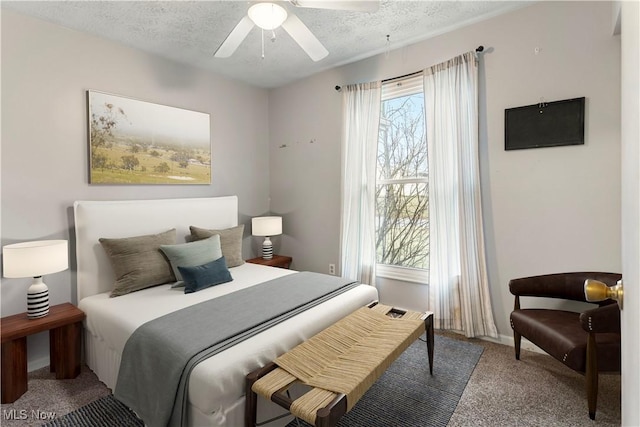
(215, 392)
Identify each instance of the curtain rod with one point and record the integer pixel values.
(478, 49)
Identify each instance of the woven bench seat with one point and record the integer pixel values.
(339, 364)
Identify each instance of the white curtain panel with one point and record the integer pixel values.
(361, 109)
(458, 284)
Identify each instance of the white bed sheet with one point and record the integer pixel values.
(216, 386)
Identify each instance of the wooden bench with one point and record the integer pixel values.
(338, 365)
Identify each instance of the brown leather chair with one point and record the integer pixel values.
(587, 342)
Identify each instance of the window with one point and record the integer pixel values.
(402, 203)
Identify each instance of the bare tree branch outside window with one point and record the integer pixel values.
(402, 208)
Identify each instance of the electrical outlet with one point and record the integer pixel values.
(332, 269)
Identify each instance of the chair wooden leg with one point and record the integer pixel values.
(516, 344)
(591, 374)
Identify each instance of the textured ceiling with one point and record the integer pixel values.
(191, 31)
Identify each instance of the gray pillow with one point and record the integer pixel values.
(138, 262)
(192, 254)
(230, 242)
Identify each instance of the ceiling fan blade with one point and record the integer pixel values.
(305, 38)
(355, 5)
(235, 37)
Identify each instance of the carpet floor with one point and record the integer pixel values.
(535, 391)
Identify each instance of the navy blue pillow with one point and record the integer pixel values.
(204, 276)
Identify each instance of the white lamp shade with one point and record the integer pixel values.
(266, 226)
(33, 259)
(267, 16)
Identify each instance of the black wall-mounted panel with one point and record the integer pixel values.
(545, 125)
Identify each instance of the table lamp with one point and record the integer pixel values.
(266, 226)
(35, 259)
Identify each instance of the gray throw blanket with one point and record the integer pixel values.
(159, 356)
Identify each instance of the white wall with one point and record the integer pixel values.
(46, 70)
(546, 210)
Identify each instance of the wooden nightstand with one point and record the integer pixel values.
(280, 261)
(64, 323)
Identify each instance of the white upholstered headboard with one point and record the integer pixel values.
(126, 218)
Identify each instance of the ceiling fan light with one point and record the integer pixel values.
(267, 16)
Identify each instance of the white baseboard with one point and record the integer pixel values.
(34, 365)
(508, 341)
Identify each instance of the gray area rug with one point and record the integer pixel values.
(406, 395)
(104, 412)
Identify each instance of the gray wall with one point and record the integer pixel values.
(46, 70)
(546, 210)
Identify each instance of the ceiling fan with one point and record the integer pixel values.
(270, 15)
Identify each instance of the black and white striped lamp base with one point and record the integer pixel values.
(37, 299)
(267, 249)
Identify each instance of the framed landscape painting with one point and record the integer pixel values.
(137, 142)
